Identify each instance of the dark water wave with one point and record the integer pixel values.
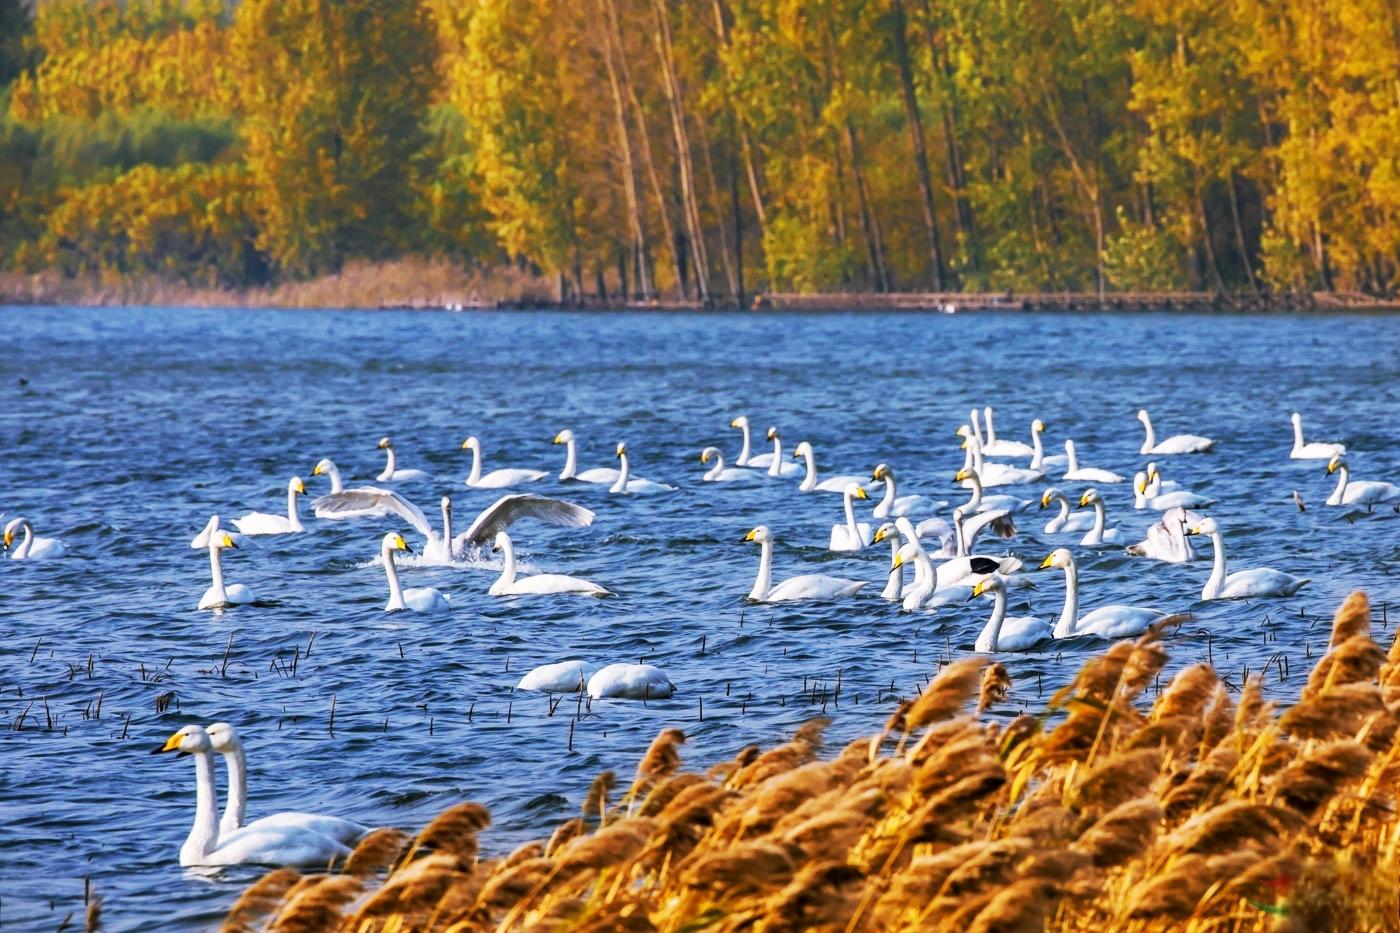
(135, 426)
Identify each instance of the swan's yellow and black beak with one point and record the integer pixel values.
(735, 423)
(316, 470)
(879, 536)
(963, 445)
(1193, 530)
(980, 588)
(383, 443)
(300, 487)
(466, 443)
(228, 542)
(772, 433)
(9, 536)
(1140, 485)
(1048, 562)
(752, 535)
(1085, 499)
(898, 562)
(1332, 465)
(861, 493)
(1045, 500)
(558, 438)
(962, 475)
(401, 545)
(172, 744)
(705, 457)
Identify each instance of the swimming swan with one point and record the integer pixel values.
(745, 459)
(1317, 450)
(218, 595)
(496, 479)
(1065, 520)
(634, 485)
(559, 677)
(892, 504)
(1114, 621)
(719, 473)
(1359, 492)
(418, 599)
(810, 482)
(926, 593)
(850, 535)
(977, 502)
(261, 523)
(1039, 460)
(1086, 474)
(998, 474)
(805, 587)
(226, 741)
(604, 475)
(205, 845)
(630, 682)
(779, 466)
(1261, 581)
(1146, 496)
(894, 581)
(390, 474)
(1098, 534)
(1167, 540)
(1018, 633)
(999, 447)
(541, 583)
(31, 547)
(1176, 444)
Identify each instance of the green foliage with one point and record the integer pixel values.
(1142, 258)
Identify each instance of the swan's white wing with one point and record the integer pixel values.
(508, 510)
(368, 501)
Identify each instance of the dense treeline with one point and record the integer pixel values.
(710, 148)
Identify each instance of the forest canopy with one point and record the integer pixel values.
(710, 148)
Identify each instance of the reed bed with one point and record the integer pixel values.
(1202, 810)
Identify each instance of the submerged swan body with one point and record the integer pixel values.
(262, 523)
(1000, 447)
(559, 677)
(812, 587)
(1081, 474)
(630, 682)
(31, 546)
(541, 583)
(1114, 621)
(601, 475)
(1242, 584)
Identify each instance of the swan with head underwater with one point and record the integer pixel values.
(810, 586)
(508, 584)
(263, 523)
(1097, 534)
(1017, 633)
(892, 504)
(496, 479)
(219, 595)
(627, 484)
(1001, 447)
(1316, 450)
(1358, 492)
(745, 458)
(1077, 473)
(31, 546)
(391, 473)
(810, 482)
(1176, 444)
(850, 535)
(206, 845)
(719, 473)
(416, 599)
(1115, 621)
(616, 681)
(1242, 584)
(1147, 495)
(225, 740)
(601, 475)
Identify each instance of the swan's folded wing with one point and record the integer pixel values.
(369, 501)
(508, 510)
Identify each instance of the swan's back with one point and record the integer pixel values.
(1117, 621)
(1261, 581)
(630, 682)
(560, 677)
(814, 586)
(345, 832)
(282, 845)
(546, 583)
(426, 599)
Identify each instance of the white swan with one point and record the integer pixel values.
(1317, 450)
(327, 467)
(496, 479)
(1167, 540)
(894, 581)
(1078, 473)
(417, 599)
(1098, 534)
(1039, 460)
(1146, 496)
(1000, 447)
(604, 475)
(559, 677)
(719, 473)
(998, 474)
(218, 595)
(1114, 621)
(1358, 492)
(978, 502)
(541, 583)
(1243, 584)
(31, 547)
(1065, 520)
(805, 587)
(892, 504)
(926, 592)
(262, 523)
(390, 473)
(1176, 444)
(630, 682)
(779, 466)
(745, 458)
(205, 845)
(967, 568)
(810, 482)
(1018, 633)
(225, 740)
(967, 527)
(850, 535)
(1159, 483)
(626, 484)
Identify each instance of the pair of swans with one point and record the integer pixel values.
(807, 587)
(391, 473)
(605, 476)
(219, 595)
(1359, 492)
(621, 681)
(1093, 525)
(951, 580)
(496, 479)
(1317, 450)
(31, 546)
(851, 535)
(1148, 494)
(263, 523)
(509, 584)
(892, 504)
(296, 839)
(994, 474)
(719, 473)
(626, 484)
(745, 459)
(1176, 444)
(1242, 584)
(1167, 539)
(1039, 459)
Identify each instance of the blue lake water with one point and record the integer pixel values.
(135, 426)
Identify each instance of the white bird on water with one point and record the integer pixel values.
(719, 473)
(31, 546)
(417, 599)
(391, 473)
(810, 586)
(1176, 444)
(1114, 621)
(1243, 584)
(627, 484)
(602, 475)
(262, 523)
(496, 479)
(219, 595)
(1316, 450)
(509, 584)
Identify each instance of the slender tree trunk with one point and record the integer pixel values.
(870, 225)
(715, 206)
(745, 138)
(951, 118)
(916, 137)
(1208, 236)
(738, 223)
(1239, 232)
(1091, 191)
(629, 173)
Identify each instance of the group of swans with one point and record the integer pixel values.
(621, 681)
(303, 840)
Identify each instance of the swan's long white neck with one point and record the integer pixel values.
(570, 460)
(1297, 432)
(22, 551)
(389, 464)
(386, 553)
(293, 517)
(1071, 460)
(1181, 542)
(764, 580)
(622, 471)
(975, 445)
(894, 585)
(333, 471)
(447, 525)
(713, 472)
(204, 835)
(1216, 582)
(776, 467)
(1063, 516)
(887, 503)
(975, 499)
(216, 570)
(976, 426)
(475, 474)
(1334, 499)
(508, 559)
(744, 450)
(967, 456)
(1151, 440)
(849, 500)
(991, 428)
(1095, 535)
(1069, 616)
(1037, 448)
(236, 762)
(958, 538)
(809, 482)
(992, 630)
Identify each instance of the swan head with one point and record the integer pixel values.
(472, 443)
(1333, 465)
(322, 468)
(621, 449)
(296, 485)
(803, 449)
(856, 491)
(740, 422)
(904, 555)
(446, 503)
(223, 539)
(1205, 526)
(394, 541)
(963, 431)
(881, 472)
(384, 443)
(223, 737)
(707, 453)
(761, 534)
(1142, 415)
(189, 740)
(1049, 496)
(772, 433)
(1089, 497)
(1060, 557)
(502, 541)
(1140, 482)
(1152, 471)
(964, 474)
(564, 436)
(958, 516)
(990, 584)
(884, 532)
(1296, 418)
(201, 540)
(14, 525)
(1038, 426)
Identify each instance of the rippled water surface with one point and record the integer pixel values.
(134, 426)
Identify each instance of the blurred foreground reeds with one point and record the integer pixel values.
(1204, 809)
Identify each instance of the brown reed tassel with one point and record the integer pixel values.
(1353, 618)
(379, 849)
(259, 900)
(996, 683)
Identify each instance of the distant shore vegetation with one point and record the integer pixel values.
(701, 150)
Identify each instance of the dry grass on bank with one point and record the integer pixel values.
(1205, 810)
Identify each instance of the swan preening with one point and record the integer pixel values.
(267, 844)
(1107, 621)
(1176, 444)
(417, 599)
(805, 587)
(1260, 581)
(719, 473)
(810, 482)
(262, 523)
(496, 479)
(541, 583)
(1317, 450)
(1358, 492)
(617, 681)
(633, 485)
(391, 473)
(31, 546)
(604, 475)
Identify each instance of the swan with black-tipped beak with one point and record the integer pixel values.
(601, 475)
(1358, 492)
(417, 599)
(31, 546)
(779, 466)
(261, 523)
(807, 587)
(1017, 633)
(1114, 621)
(391, 473)
(850, 535)
(1316, 450)
(496, 479)
(745, 458)
(327, 467)
(1176, 444)
(810, 482)
(719, 473)
(1097, 534)
(1065, 521)
(980, 502)
(509, 584)
(627, 484)
(219, 595)
(1243, 584)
